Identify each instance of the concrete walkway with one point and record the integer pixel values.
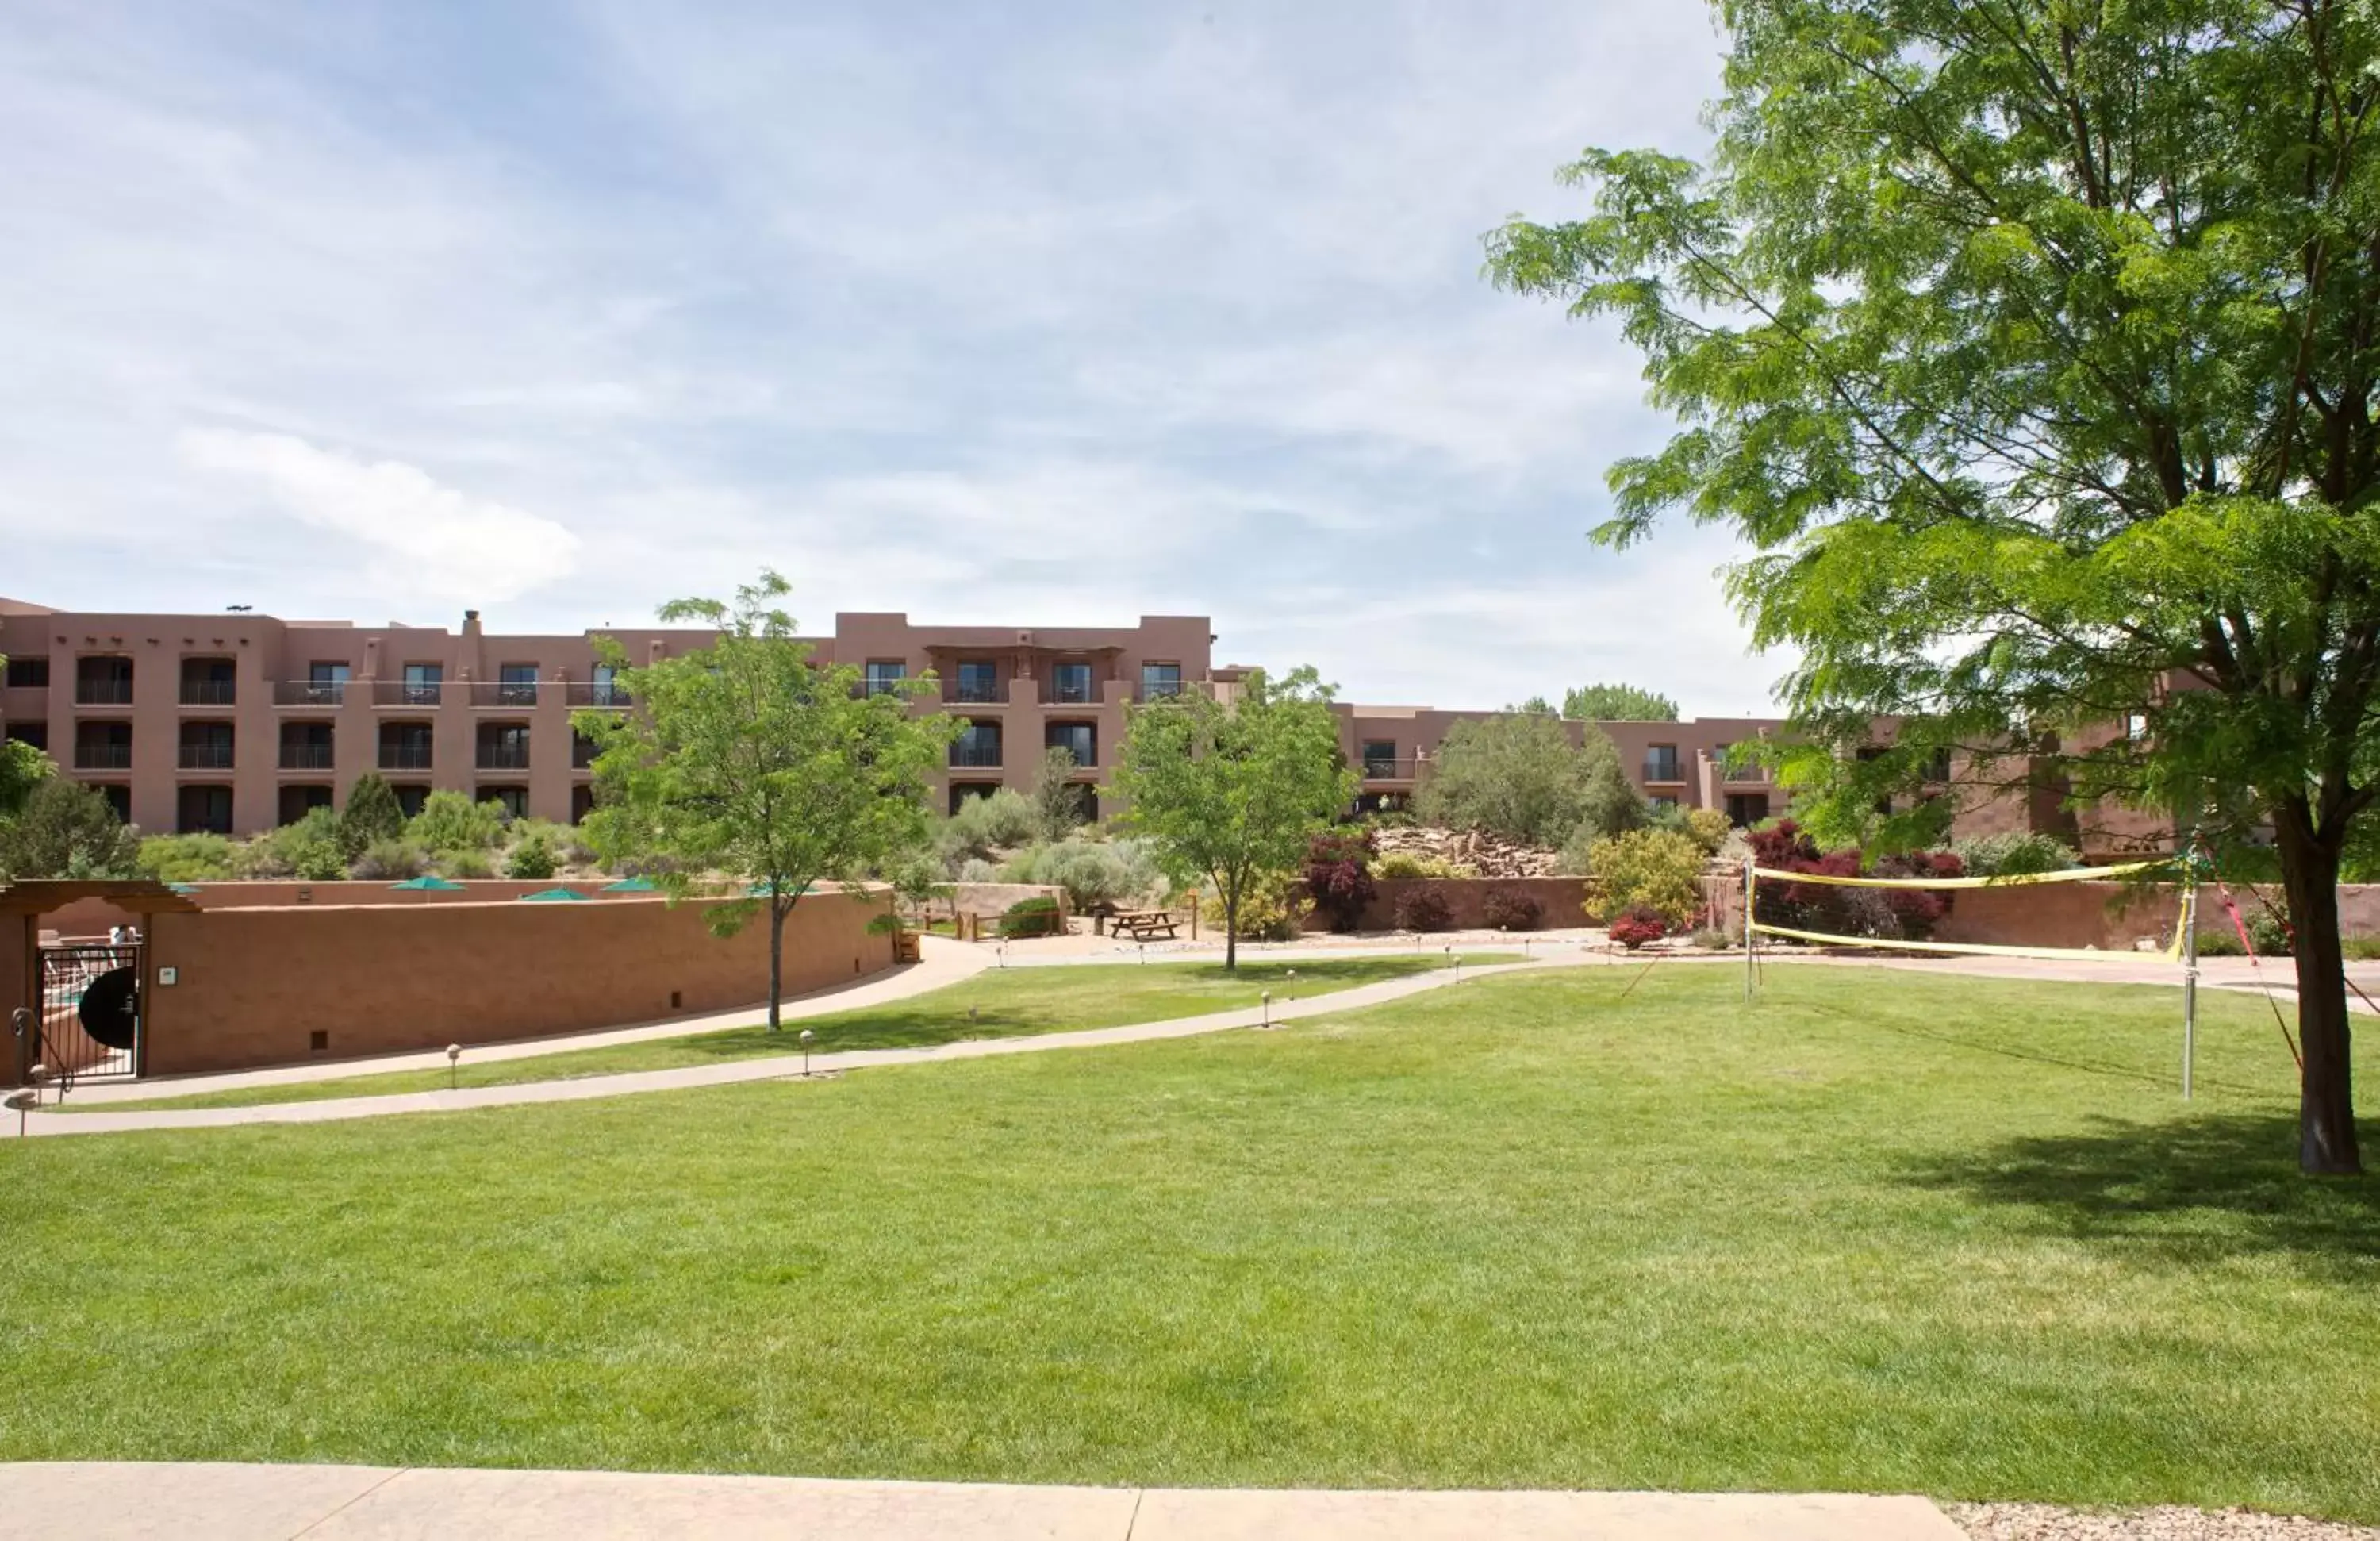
(102, 1501)
(773, 1067)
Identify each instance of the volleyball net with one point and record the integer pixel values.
(1906, 913)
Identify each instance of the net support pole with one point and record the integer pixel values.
(2189, 981)
(1748, 881)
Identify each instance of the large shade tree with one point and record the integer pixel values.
(2033, 347)
(1232, 792)
(750, 759)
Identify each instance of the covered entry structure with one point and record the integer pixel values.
(75, 1006)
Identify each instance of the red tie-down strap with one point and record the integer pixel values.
(2231, 907)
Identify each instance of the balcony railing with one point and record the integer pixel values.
(210, 692)
(972, 695)
(408, 692)
(405, 756)
(1389, 768)
(1071, 693)
(310, 693)
(308, 757)
(1159, 690)
(504, 693)
(504, 757)
(1658, 769)
(205, 757)
(594, 693)
(975, 757)
(91, 692)
(102, 757)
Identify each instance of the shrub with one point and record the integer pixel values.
(1659, 871)
(186, 858)
(1509, 909)
(1338, 876)
(532, 858)
(985, 826)
(1706, 827)
(1882, 913)
(975, 870)
(1037, 917)
(67, 830)
(1424, 909)
(372, 815)
(1519, 776)
(1270, 910)
(450, 822)
(567, 843)
(1710, 939)
(1413, 864)
(2003, 856)
(311, 850)
(464, 864)
(390, 861)
(1091, 871)
(1637, 925)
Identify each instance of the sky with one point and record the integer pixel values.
(1037, 315)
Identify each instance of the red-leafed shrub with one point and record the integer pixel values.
(1508, 909)
(1338, 876)
(1637, 925)
(1907, 913)
(1422, 909)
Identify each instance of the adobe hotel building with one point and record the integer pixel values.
(237, 722)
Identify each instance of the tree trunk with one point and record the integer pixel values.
(776, 962)
(2327, 1144)
(1230, 927)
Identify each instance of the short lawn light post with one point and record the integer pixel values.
(1000, 953)
(1265, 1001)
(1293, 984)
(453, 1059)
(20, 1099)
(1454, 963)
(806, 1037)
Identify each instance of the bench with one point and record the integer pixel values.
(1142, 925)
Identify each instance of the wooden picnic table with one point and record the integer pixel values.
(1142, 925)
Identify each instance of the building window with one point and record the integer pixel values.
(34, 734)
(582, 803)
(582, 751)
(1070, 684)
(977, 747)
(504, 747)
(119, 799)
(423, 682)
(206, 747)
(1938, 765)
(979, 680)
(299, 800)
(210, 682)
(514, 800)
(1078, 739)
(30, 673)
(517, 685)
(1159, 682)
(102, 747)
(104, 681)
(1379, 758)
(307, 746)
(204, 811)
(325, 685)
(603, 687)
(405, 747)
(1746, 808)
(1661, 763)
(410, 797)
(884, 675)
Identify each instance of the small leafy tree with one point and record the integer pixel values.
(451, 821)
(1057, 797)
(22, 768)
(1518, 775)
(1660, 871)
(1617, 703)
(372, 815)
(67, 830)
(750, 759)
(1231, 792)
(186, 858)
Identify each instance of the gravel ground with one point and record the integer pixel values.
(2043, 1522)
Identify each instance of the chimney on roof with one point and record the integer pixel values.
(470, 623)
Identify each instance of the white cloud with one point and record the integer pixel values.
(443, 544)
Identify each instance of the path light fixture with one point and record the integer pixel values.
(37, 1074)
(454, 1057)
(20, 1099)
(1293, 984)
(1001, 952)
(808, 1036)
(1265, 998)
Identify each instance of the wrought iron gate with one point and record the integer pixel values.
(88, 1028)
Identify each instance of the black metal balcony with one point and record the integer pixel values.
(595, 693)
(493, 757)
(102, 757)
(215, 693)
(308, 757)
(405, 756)
(1663, 770)
(205, 756)
(102, 692)
(408, 692)
(975, 757)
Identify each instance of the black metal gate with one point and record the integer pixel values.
(88, 1028)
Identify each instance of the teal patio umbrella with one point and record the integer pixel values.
(554, 896)
(629, 885)
(432, 881)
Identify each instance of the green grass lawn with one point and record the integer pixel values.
(1887, 1232)
(997, 1004)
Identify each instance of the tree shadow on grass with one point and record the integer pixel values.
(2184, 1194)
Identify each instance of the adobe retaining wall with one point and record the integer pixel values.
(2110, 916)
(253, 987)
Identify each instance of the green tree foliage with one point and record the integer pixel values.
(22, 768)
(1058, 799)
(531, 857)
(1001, 820)
(1617, 703)
(1659, 871)
(1518, 775)
(748, 757)
(66, 830)
(187, 858)
(1091, 871)
(372, 815)
(314, 848)
(2033, 349)
(451, 821)
(1230, 793)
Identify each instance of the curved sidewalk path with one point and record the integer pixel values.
(205, 1501)
(775, 1067)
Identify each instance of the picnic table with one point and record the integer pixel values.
(1142, 925)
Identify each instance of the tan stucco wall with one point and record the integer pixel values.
(253, 984)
